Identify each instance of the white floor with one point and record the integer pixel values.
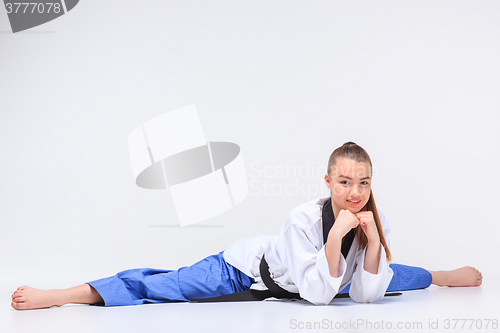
(414, 311)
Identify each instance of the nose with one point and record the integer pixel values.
(355, 191)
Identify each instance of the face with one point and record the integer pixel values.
(349, 181)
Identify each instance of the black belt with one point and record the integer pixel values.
(276, 290)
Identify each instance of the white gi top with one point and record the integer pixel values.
(297, 261)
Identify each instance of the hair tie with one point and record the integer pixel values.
(349, 143)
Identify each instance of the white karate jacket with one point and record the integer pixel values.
(297, 261)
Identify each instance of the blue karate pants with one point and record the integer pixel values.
(210, 277)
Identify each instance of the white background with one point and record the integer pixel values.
(416, 83)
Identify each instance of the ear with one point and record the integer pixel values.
(327, 180)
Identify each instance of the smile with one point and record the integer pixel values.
(353, 202)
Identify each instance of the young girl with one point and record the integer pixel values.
(329, 245)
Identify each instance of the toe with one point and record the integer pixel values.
(17, 305)
(20, 305)
(18, 299)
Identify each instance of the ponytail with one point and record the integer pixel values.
(362, 240)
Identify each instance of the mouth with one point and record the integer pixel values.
(354, 202)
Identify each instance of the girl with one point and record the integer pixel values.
(328, 246)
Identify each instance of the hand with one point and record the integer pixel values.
(343, 224)
(368, 225)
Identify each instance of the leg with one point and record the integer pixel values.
(26, 298)
(410, 278)
(210, 277)
(460, 277)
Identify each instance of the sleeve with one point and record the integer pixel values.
(365, 286)
(308, 267)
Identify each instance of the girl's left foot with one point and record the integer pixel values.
(460, 277)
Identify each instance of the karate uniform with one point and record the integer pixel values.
(297, 263)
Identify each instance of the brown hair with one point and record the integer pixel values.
(350, 150)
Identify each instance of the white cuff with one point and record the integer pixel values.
(369, 287)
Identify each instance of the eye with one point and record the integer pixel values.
(344, 181)
(365, 183)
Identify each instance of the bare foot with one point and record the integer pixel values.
(460, 277)
(27, 298)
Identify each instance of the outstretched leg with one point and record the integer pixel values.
(411, 278)
(27, 298)
(210, 277)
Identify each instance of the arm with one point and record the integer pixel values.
(372, 256)
(345, 222)
(373, 274)
(332, 253)
(309, 268)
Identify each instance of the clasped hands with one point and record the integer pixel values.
(347, 221)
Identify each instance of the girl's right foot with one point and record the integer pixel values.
(27, 298)
(460, 277)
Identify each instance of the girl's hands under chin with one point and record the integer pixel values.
(367, 223)
(343, 224)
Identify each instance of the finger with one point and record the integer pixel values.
(361, 216)
(365, 213)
